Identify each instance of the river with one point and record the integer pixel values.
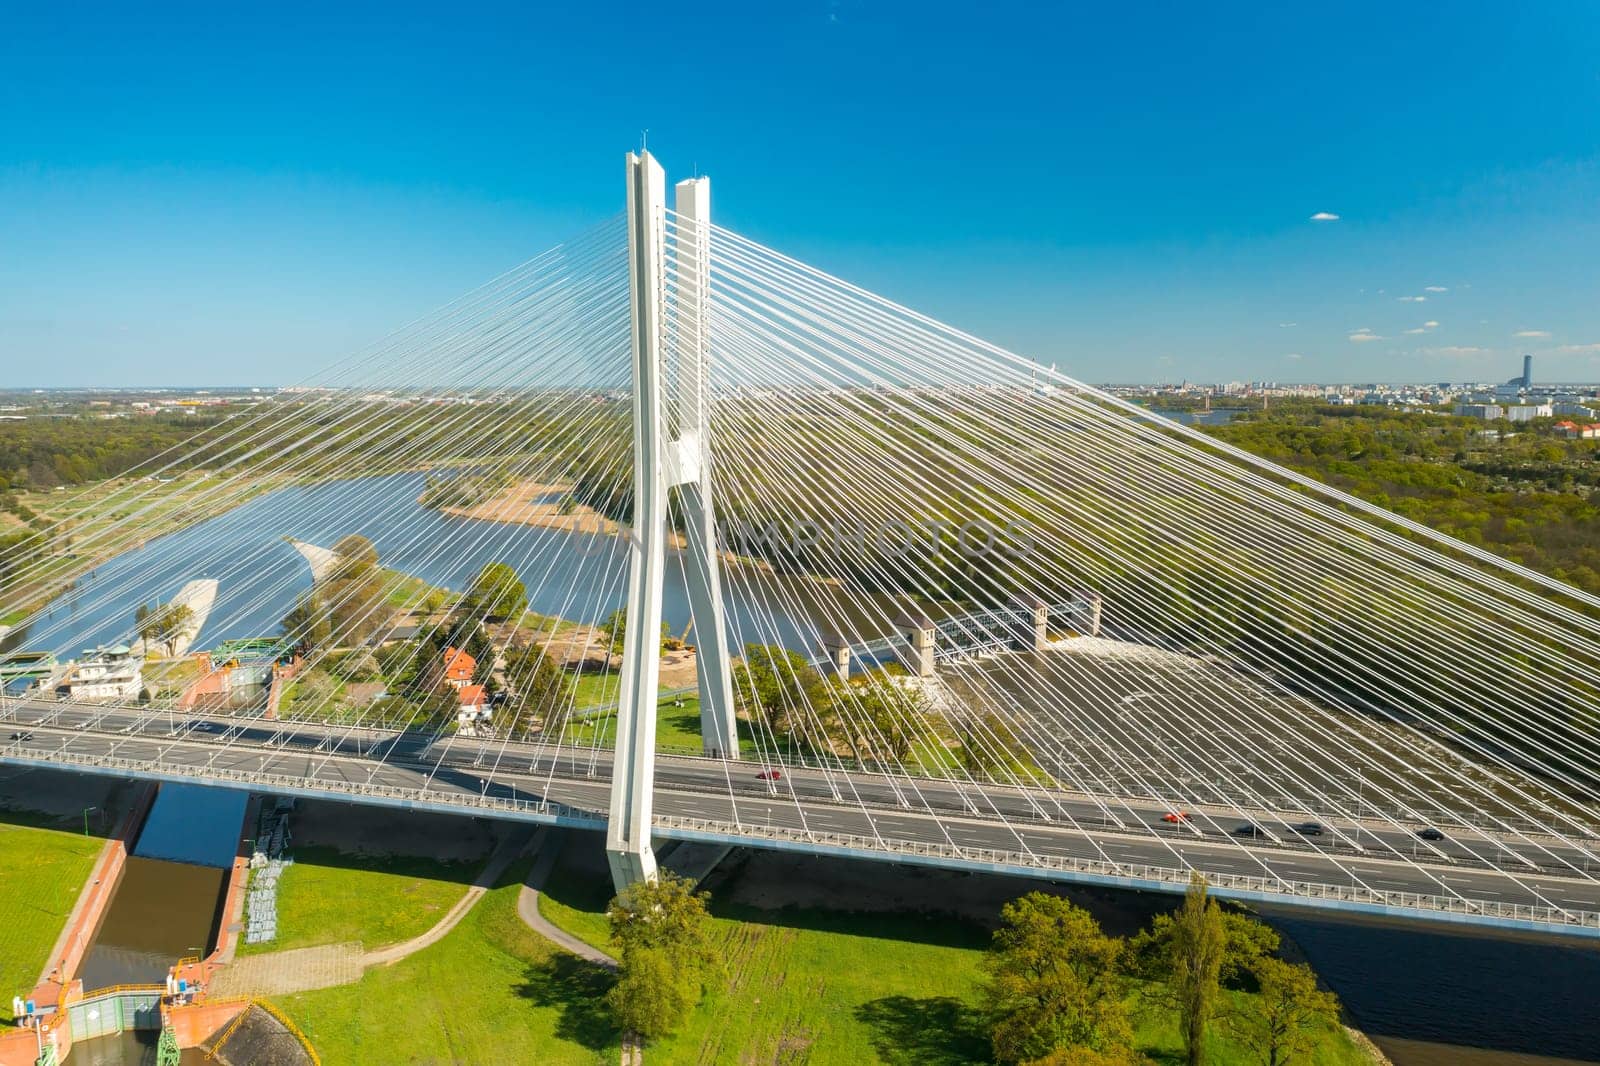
(575, 576)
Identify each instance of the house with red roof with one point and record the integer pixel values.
(458, 668)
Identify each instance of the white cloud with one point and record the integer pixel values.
(1578, 349)
(1294, 355)
(1363, 335)
(1435, 288)
(1419, 329)
(1287, 325)
(1324, 216)
(1455, 350)
(1430, 324)
(1535, 334)
(1413, 299)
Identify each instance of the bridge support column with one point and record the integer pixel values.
(1096, 602)
(633, 769)
(920, 637)
(837, 648)
(1033, 623)
(719, 733)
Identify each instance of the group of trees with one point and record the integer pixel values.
(1533, 498)
(42, 453)
(163, 624)
(870, 718)
(1060, 991)
(346, 606)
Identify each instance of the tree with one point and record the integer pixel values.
(495, 593)
(357, 555)
(1248, 942)
(1053, 982)
(164, 624)
(774, 685)
(1281, 1021)
(663, 932)
(651, 997)
(307, 622)
(541, 686)
(1199, 940)
(616, 631)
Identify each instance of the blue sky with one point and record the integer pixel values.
(227, 193)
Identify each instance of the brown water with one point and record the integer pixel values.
(126, 1049)
(1433, 998)
(162, 912)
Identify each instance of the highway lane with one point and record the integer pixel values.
(694, 788)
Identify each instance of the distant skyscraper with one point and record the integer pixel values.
(1527, 371)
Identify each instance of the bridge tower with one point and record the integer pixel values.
(660, 463)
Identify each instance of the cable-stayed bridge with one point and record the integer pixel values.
(934, 612)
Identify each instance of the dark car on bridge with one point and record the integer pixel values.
(1309, 829)
(1430, 834)
(1250, 829)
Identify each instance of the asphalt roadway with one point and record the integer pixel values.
(1470, 863)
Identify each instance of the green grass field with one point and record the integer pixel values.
(42, 870)
(825, 987)
(677, 728)
(328, 897)
(491, 992)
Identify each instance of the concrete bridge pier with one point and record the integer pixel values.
(921, 639)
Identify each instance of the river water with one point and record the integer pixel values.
(168, 903)
(1432, 998)
(573, 575)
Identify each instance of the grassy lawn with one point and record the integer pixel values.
(41, 873)
(825, 987)
(328, 897)
(491, 992)
(677, 728)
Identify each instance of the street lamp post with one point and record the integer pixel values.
(86, 811)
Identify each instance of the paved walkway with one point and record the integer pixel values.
(278, 973)
(528, 910)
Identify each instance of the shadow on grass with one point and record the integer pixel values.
(577, 989)
(938, 1031)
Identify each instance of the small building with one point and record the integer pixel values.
(1578, 430)
(473, 716)
(113, 673)
(458, 668)
(1486, 411)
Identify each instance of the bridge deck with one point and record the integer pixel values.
(1078, 837)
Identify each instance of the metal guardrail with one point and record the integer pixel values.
(876, 845)
(1174, 876)
(1035, 815)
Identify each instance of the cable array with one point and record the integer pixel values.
(1052, 607)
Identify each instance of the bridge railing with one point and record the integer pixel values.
(1168, 875)
(1026, 860)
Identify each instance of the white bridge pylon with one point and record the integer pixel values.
(662, 462)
